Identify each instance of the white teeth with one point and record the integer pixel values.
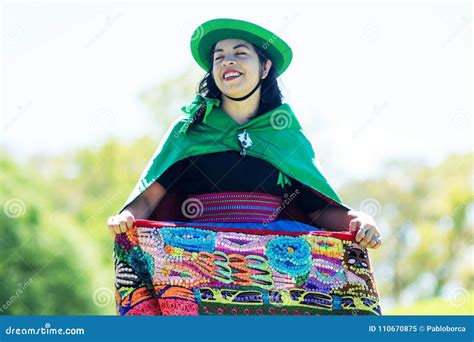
(231, 74)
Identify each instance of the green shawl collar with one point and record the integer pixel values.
(276, 137)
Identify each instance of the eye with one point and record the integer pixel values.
(218, 57)
(240, 53)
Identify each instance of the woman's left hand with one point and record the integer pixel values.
(368, 234)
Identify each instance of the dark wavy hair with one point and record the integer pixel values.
(270, 94)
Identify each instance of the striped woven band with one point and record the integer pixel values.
(232, 207)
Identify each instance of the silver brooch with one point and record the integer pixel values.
(245, 142)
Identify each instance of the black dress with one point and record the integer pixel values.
(229, 171)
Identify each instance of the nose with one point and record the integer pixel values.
(228, 61)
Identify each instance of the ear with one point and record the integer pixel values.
(266, 68)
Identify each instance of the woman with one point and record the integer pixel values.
(236, 159)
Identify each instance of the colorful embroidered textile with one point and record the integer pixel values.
(165, 268)
(232, 207)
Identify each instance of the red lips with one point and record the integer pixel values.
(230, 70)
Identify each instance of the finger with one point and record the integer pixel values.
(360, 234)
(129, 221)
(116, 226)
(372, 244)
(123, 226)
(378, 244)
(368, 236)
(113, 224)
(117, 229)
(111, 231)
(354, 225)
(111, 221)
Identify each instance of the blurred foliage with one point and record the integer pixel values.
(426, 219)
(436, 306)
(55, 247)
(164, 99)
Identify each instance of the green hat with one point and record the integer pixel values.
(212, 31)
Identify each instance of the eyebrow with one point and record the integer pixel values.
(235, 47)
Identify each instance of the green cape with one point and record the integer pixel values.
(276, 138)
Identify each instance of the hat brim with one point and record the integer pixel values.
(209, 33)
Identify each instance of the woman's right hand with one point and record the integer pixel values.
(120, 223)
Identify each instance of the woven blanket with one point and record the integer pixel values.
(163, 268)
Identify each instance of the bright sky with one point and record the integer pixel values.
(369, 82)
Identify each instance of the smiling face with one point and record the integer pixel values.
(236, 67)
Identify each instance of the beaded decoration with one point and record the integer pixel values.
(167, 269)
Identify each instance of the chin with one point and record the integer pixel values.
(236, 92)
